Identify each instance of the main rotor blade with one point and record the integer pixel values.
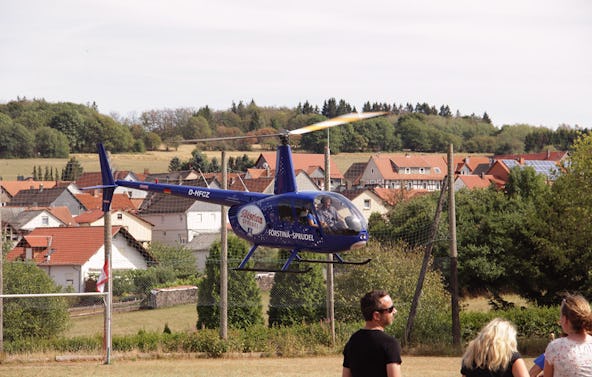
(342, 119)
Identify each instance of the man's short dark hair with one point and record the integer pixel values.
(371, 302)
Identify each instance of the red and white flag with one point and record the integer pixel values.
(103, 278)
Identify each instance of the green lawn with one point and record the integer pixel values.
(179, 318)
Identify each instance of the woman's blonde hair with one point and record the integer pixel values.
(493, 347)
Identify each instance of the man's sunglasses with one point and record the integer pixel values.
(390, 310)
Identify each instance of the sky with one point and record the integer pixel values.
(521, 61)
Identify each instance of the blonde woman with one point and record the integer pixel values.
(494, 353)
(571, 356)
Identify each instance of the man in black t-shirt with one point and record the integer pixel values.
(370, 352)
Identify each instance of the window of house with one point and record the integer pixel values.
(437, 170)
(421, 171)
(119, 216)
(45, 220)
(367, 203)
(70, 282)
(407, 170)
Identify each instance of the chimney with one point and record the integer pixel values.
(548, 154)
(41, 187)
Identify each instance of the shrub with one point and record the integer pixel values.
(42, 317)
(298, 298)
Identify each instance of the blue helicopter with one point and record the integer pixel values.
(315, 221)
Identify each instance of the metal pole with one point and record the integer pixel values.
(109, 297)
(223, 258)
(330, 282)
(453, 251)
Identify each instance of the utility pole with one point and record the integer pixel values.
(223, 258)
(453, 251)
(330, 284)
(108, 238)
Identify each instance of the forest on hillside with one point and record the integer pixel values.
(37, 128)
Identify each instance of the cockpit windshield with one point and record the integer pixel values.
(337, 215)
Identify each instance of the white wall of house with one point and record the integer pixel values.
(169, 228)
(65, 276)
(371, 174)
(138, 227)
(42, 220)
(202, 222)
(367, 202)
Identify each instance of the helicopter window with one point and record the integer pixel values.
(285, 212)
(337, 215)
(305, 213)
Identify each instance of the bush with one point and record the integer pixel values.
(298, 298)
(25, 318)
(396, 270)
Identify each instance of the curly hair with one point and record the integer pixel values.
(493, 347)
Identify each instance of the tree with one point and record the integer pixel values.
(178, 258)
(72, 171)
(395, 269)
(561, 235)
(297, 298)
(15, 140)
(26, 318)
(175, 164)
(51, 143)
(244, 297)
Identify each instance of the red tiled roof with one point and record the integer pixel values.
(303, 161)
(13, 187)
(71, 245)
(541, 156)
(119, 201)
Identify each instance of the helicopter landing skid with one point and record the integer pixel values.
(289, 271)
(338, 260)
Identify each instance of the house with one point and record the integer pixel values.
(557, 156)
(313, 164)
(474, 165)
(412, 172)
(19, 221)
(477, 181)
(501, 168)
(353, 174)
(178, 220)
(119, 201)
(8, 189)
(138, 227)
(367, 201)
(90, 179)
(200, 247)
(73, 255)
(174, 177)
(52, 197)
(379, 200)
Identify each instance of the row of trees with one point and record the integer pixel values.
(38, 128)
(533, 238)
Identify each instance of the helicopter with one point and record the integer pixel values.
(287, 219)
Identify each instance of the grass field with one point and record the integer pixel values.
(251, 367)
(155, 162)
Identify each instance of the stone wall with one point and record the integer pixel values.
(163, 297)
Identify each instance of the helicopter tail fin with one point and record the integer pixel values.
(108, 185)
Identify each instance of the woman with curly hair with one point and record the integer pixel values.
(494, 353)
(571, 356)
